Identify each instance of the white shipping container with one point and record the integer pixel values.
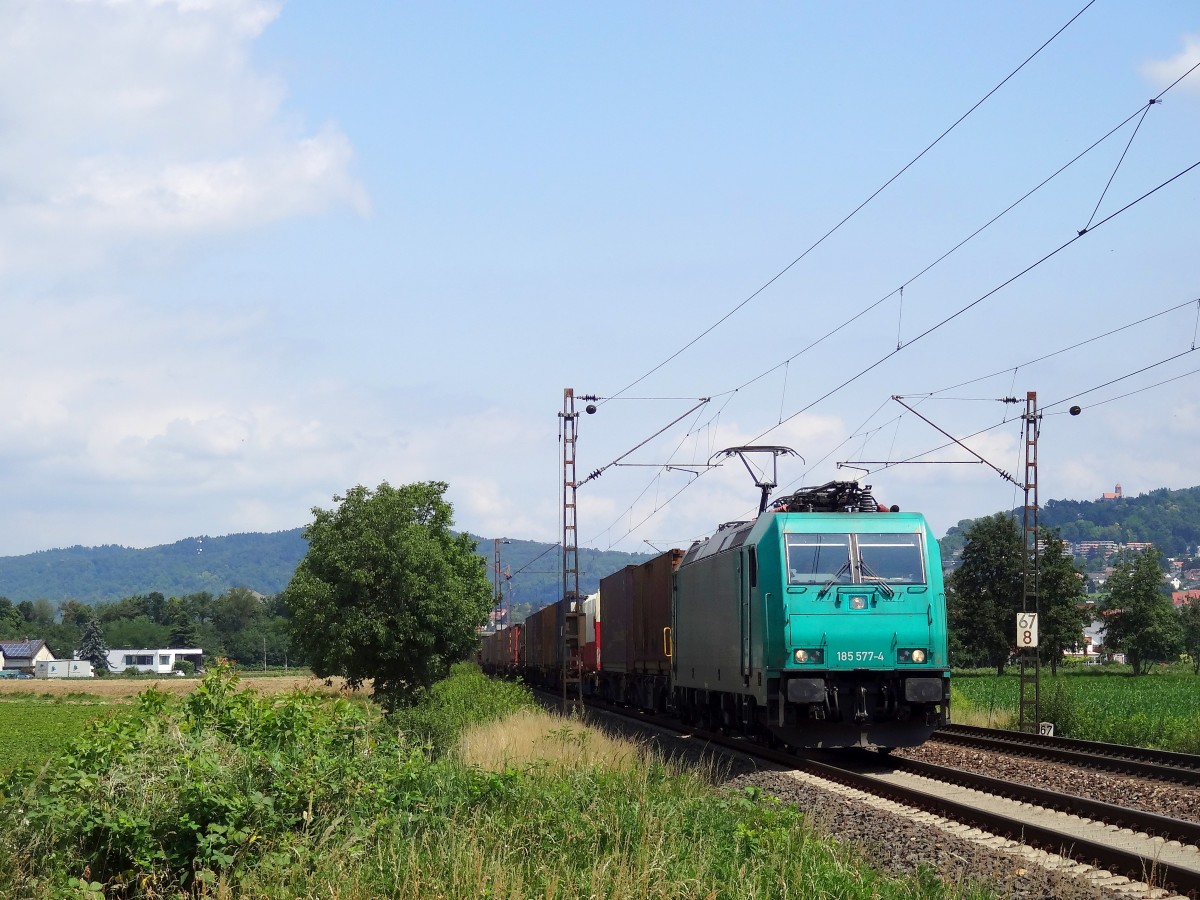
(63, 668)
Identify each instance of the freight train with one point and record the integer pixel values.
(821, 623)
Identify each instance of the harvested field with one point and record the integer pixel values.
(118, 689)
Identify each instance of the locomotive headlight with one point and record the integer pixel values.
(809, 656)
(801, 656)
(858, 602)
(918, 656)
(913, 656)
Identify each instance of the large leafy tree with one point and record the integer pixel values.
(1061, 610)
(387, 592)
(1139, 619)
(988, 589)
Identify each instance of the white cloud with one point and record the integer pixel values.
(1162, 72)
(128, 119)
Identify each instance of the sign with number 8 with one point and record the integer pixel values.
(1027, 629)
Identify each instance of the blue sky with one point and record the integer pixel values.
(253, 253)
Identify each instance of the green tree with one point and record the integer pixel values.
(92, 646)
(1140, 620)
(988, 591)
(72, 612)
(1061, 612)
(11, 620)
(38, 613)
(235, 611)
(386, 591)
(182, 628)
(1189, 624)
(137, 632)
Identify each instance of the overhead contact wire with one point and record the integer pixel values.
(985, 296)
(958, 246)
(1076, 346)
(860, 206)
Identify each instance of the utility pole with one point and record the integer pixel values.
(498, 598)
(1027, 639)
(569, 616)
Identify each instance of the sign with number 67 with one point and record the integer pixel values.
(1027, 629)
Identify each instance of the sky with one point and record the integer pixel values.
(254, 253)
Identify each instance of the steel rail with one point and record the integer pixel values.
(1163, 765)
(1153, 824)
(1134, 865)
(1114, 859)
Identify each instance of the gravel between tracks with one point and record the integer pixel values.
(900, 843)
(1177, 801)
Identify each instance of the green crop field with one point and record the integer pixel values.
(31, 731)
(1161, 710)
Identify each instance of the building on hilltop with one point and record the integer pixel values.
(1114, 495)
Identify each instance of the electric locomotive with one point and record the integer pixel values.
(822, 623)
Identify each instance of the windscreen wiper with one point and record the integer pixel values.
(871, 573)
(832, 581)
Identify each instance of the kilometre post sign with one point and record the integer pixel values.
(1027, 625)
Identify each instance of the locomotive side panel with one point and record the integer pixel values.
(707, 629)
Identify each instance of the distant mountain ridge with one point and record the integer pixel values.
(262, 562)
(265, 562)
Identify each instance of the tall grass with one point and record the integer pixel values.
(229, 793)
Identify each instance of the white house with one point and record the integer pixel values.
(159, 662)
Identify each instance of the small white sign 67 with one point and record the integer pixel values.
(1027, 635)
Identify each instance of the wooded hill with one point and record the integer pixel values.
(262, 563)
(1168, 519)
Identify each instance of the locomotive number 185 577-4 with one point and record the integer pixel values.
(859, 656)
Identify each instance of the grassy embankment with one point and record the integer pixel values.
(1103, 703)
(226, 792)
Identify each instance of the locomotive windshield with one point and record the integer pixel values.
(892, 558)
(818, 558)
(828, 559)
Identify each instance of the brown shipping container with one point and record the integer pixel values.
(541, 639)
(636, 602)
(500, 649)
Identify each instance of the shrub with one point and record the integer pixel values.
(183, 790)
(464, 699)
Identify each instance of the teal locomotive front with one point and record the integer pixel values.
(815, 628)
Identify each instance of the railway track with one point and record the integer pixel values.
(1162, 765)
(1110, 844)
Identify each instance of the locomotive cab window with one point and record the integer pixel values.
(818, 558)
(831, 559)
(892, 558)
